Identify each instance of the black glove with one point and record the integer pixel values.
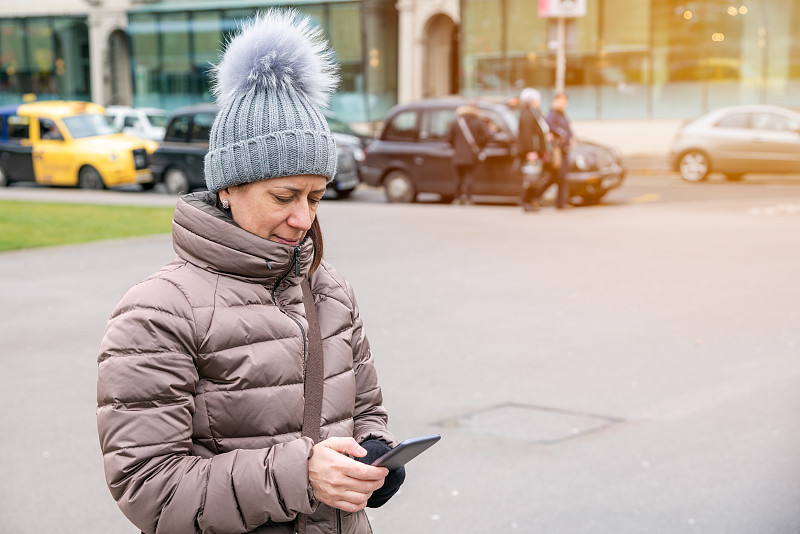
(375, 449)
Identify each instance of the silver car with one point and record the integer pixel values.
(738, 140)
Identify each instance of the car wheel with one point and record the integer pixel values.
(694, 166)
(147, 186)
(89, 178)
(340, 195)
(176, 182)
(3, 177)
(398, 187)
(734, 176)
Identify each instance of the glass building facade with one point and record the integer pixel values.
(172, 50)
(45, 56)
(630, 59)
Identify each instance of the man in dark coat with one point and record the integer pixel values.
(468, 134)
(563, 139)
(533, 144)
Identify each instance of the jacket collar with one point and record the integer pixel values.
(205, 236)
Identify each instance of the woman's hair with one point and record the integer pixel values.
(315, 233)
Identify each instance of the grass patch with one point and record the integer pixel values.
(42, 224)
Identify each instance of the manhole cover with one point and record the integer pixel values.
(530, 423)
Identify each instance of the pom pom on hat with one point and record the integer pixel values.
(277, 50)
(274, 77)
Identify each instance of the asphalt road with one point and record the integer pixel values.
(628, 368)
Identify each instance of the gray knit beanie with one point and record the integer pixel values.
(274, 77)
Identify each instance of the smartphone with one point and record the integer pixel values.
(406, 451)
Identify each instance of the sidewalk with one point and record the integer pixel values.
(117, 197)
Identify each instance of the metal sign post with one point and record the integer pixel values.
(561, 10)
(561, 53)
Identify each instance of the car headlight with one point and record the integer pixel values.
(358, 155)
(583, 162)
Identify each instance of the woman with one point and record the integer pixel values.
(201, 371)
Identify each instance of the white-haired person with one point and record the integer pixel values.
(216, 410)
(533, 144)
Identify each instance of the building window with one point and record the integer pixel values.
(206, 33)
(173, 53)
(44, 56)
(637, 58)
(146, 59)
(176, 59)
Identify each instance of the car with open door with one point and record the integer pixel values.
(412, 156)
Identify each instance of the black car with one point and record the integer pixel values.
(412, 156)
(179, 160)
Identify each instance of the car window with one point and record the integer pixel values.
(88, 125)
(130, 121)
(736, 120)
(49, 130)
(436, 124)
(403, 127)
(18, 128)
(771, 121)
(112, 123)
(336, 125)
(178, 129)
(201, 126)
(157, 119)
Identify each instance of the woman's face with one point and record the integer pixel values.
(278, 209)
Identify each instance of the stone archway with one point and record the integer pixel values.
(120, 91)
(440, 76)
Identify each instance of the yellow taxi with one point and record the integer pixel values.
(69, 143)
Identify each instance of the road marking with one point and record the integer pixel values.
(780, 209)
(653, 197)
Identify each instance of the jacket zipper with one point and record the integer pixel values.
(296, 266)
(338, 521)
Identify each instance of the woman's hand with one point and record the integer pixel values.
(339, 481)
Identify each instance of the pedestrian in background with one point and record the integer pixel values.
(562, 143)
(533, 146)
(216, 409)
(468, 135)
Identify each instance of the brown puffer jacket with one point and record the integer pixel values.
(200, 384)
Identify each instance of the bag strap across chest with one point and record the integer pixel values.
(312, 380)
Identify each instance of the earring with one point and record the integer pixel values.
(224, 203)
